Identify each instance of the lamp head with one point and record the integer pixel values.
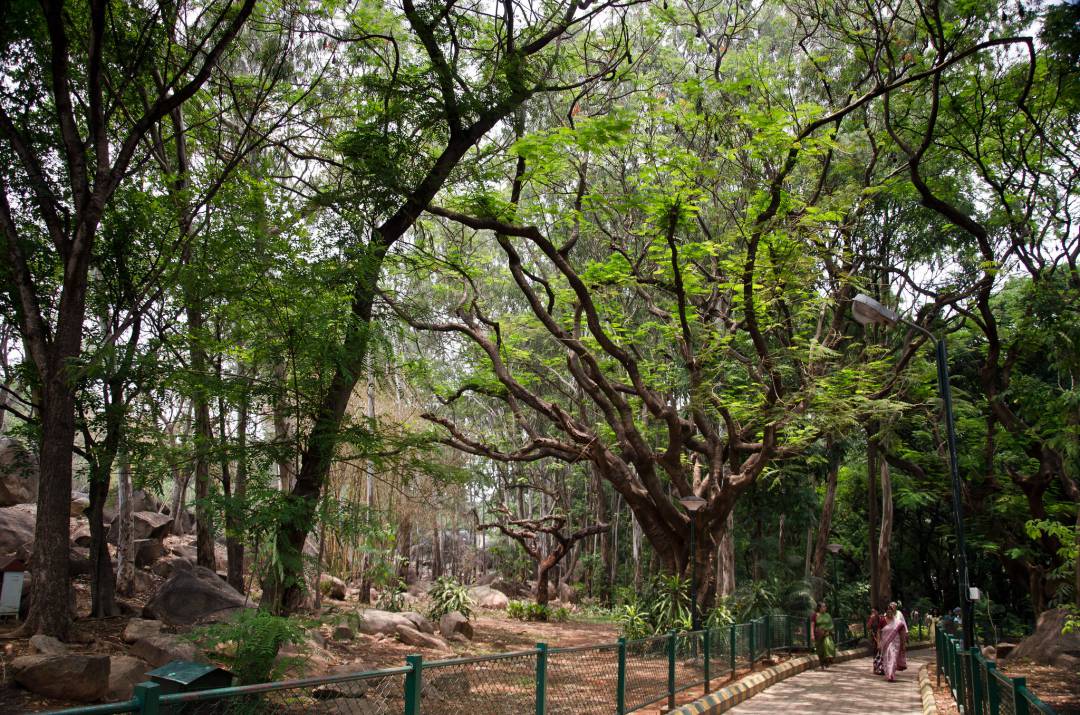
(868, 311)
(692, 503)
(834, 548)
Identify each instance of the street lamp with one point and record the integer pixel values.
(693, 504)
(834, 549)
(868, 311)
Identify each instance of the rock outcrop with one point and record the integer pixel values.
(1048, 645)
(487, 597)
(84, 678)
(454, 623)
(18, 473)
(196, 596)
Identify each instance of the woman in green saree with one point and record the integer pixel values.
(821, 627)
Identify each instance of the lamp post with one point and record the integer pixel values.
(693, 504)
(834, 549)
(868, 311)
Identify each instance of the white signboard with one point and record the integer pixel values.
(11, 593)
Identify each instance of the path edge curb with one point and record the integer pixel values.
(926, 691)
(728, 697)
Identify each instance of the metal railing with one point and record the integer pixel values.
(618, 677)
(978, 687)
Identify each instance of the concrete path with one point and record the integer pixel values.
(846, 689)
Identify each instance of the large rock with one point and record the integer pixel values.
(17, 531)
(1047, 645)
(567, 593)
(419, 622)
(139, 628)
(487, 597)
(164, 648)
(374, 622)
(125, 673)
(142, 500)
(454, 623)
(512, 589)
(18, 473)
(413, 637)
(146, 525)
(79, 504)
(84, 678)
(332, 586)
(195, 596)
(166, 567)
(147, 552)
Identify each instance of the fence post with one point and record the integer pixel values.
(993, 698)
(148, 694)
(976, 681)
(620, 683)
(787, 634)
(809, 639)
(707, 645)
(734, 642)
(541, 678)
(1020, 703)
(671, 670)
(413, 681)
(768, 636)
(753, 627)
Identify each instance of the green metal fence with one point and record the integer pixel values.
(616, 678)
(978, 686)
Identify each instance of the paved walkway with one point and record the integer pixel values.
(846, 689)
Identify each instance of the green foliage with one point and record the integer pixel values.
(634, 621)
(532, 611)
(448, 595)
(392, 597)
(249, 642)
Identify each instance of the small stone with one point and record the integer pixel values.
(161, 649)
(139, 628)
(47, 645)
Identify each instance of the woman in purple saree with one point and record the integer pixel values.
(893, 636)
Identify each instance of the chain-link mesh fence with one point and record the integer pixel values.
(495, 685)
(377, 693)
(689, 660)
(646, 672)
(1006, 694)
(582, 680)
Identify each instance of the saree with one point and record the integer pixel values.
(893, 634)
(823, 637)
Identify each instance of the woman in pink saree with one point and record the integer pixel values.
(892, 640)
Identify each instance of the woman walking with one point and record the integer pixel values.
(893, 635)
(821, 628)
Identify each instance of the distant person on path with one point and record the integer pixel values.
(873, 628)
(821, 628)
(893, 635)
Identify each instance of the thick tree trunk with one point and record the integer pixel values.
(436, 549)
(102, 578)
(542, 569)
(50, 603)
(725, 559)
(125, 542)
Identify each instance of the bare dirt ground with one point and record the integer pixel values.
(1057, 687)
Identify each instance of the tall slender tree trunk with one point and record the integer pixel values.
(283, 431)
(125, 541)
(204, 437)
(234, 528)
(102, 578)
(825, 523)
(884, 542)
(872, 517)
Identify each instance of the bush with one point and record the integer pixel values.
(448, 595)
(392, 597)
(633, 621)
(529, 611)
(248, 644)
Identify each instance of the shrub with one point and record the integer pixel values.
(248, 644)
(633, 621)
(392, 597)
(448, 595)
(529, 611)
